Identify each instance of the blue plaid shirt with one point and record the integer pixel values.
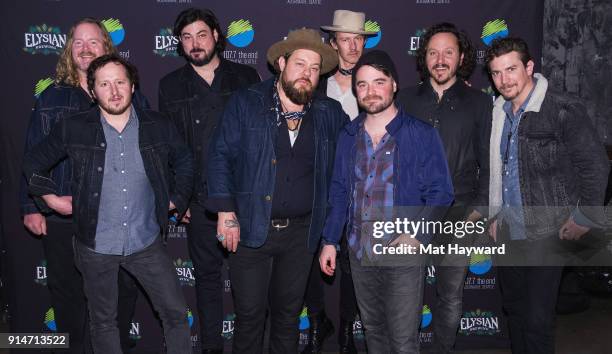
(373, 191)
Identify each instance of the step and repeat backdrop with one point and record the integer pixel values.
(34, 34)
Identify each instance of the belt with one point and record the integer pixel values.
(283, 223)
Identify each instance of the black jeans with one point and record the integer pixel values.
(390, 300)
(207, 256)
(154, 270)
(65, 286)
(450, 270)
(315, 291)
(273, 276)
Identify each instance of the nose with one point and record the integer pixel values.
(502, 78)
(114, 89)
(353, 45)
(439, 58)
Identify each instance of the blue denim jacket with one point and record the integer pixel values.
(420, 175)
(242, 162)
(57, 102)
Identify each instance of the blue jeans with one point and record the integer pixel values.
(390, 300)
(154, 270)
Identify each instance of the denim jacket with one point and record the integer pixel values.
(57, 102)
(241, 161)
(563, 167)
(167, 161)
(421, 179)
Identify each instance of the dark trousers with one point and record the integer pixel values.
(451, 270)
(529, 297)
(65, 286)
(273, 276)
(154, 270)
(207, 256)
(315, 292)
(390, 302)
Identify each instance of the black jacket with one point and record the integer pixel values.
(563, 167)
(463, 120)
(81, 139)
(195, 108)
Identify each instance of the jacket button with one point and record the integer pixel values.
(197, 121)
(274, 161)
(95, 194)
(99, 169)
(102, 144)
(268, 198)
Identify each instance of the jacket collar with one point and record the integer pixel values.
(93, 115)
(537, 97)
(188, 73)
(392, 128)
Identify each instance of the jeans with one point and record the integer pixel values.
(390, 302)
(273, 276)
(315, 293)
(451, 270)
(65, 286)
(207, 256)
(155, 272)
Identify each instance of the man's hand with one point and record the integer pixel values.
(493, 230)
(35, 223)
(474, 216)
(62, 205)
(327, 259)
(229, 227)
(406, 239)
(572, 231)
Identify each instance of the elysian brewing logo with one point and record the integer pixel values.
(430, 276)
(135, 331)
(228, 326)
(415, 41)
(479, 323)
(40, 273)
(184, 271)
(43, 39)
(166, 43)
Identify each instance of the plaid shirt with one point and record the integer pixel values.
(373, 191)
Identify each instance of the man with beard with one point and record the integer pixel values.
(387, 162)
(547, 185)
(269, 168)
(123, 190)
(86, 41)
(347, 36)
(462, 116)
(193, 97)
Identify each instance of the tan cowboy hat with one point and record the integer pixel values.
(304, 38)
(350, 22)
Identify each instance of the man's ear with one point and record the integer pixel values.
(529, 67)
(282, 62)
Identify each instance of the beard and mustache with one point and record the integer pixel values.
(201, 61)
(299, 96)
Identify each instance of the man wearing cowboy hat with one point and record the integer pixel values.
(347, 35)
(270, 163)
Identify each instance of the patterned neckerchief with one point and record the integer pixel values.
(345, 72)
(279, 109)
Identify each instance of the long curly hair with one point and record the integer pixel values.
(465, 47)
(66, 69)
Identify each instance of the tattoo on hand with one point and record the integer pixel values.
(232, 223)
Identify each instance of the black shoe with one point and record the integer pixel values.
(345, 338)
(320, 328)
(212, 351)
